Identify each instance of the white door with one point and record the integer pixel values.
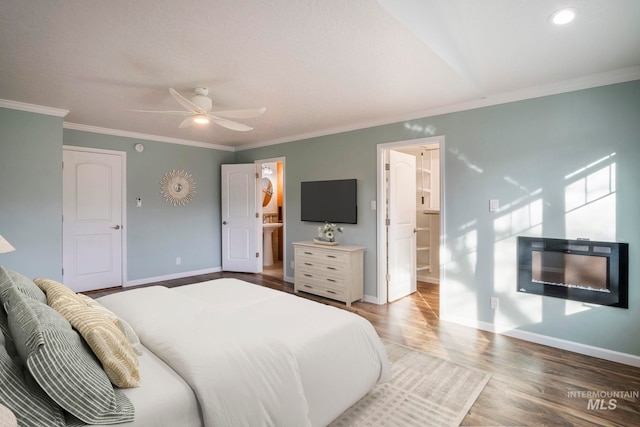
(241, 224)
(92, 220)
(401, 254)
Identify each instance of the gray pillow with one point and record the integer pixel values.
(10, 278)
(31, 406)
(62, 363)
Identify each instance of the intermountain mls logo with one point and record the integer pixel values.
(604, 400)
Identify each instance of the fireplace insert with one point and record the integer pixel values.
(579, 270)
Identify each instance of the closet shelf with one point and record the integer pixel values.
(422, 267)
(423, 248)
(423, 229)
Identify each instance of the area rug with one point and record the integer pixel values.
(424, 391)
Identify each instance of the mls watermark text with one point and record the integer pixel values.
(604, 400)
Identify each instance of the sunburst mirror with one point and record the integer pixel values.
(177, 187)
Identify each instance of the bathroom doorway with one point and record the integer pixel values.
(272, 195)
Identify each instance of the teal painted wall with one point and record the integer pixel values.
(31, 192)
(159, 232)
(562, 166)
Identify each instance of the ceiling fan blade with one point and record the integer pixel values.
(241, 114)
(186, 103)
(229, 124)
(187, 122)
(179, 113)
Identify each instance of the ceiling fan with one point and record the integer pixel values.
(198, 110)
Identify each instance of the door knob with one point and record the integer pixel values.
(117, 227)
(224, 222)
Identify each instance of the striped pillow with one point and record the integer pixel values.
(30, 405)
(10, 278)
(60, 362)
(101, 333)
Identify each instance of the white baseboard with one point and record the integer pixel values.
(171, 276)
(587, 350)
(429, 279)
(372, 300)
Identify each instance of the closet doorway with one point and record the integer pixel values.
(422, 264)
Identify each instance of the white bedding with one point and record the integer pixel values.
(165, 400)
(255, 356)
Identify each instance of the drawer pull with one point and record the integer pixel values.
(331, 256)
(308, 275)
(330, 292)
(307, 286)
(331, 268)
(307, 263)
(308, 253)
(331, 280)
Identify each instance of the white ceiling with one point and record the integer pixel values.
(318, 66)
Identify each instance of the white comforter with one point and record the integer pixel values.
(255, 356)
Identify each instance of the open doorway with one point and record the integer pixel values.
(272, 172)
(424, 267)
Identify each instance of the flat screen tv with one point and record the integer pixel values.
(329, 201)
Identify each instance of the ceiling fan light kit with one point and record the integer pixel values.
(198, 110)
(201, 119)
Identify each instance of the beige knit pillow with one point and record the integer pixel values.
(101, 333)
(126, 329)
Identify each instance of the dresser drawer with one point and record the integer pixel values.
(317, 267)
(310, 277)
(321, 256)
(322, 291)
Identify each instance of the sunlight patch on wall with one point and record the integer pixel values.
(517, 220)
(574, 307)
(516, 309)
(590, 201)
(460, 156)
(466, 251)
(522, 216)
(461, 302)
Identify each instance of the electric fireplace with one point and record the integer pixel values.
(579, 270)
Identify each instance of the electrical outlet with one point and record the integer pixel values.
(178, 261)
(292, 264)
(495, 302)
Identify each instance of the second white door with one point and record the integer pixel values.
(241, 224)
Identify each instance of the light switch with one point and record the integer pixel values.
(139, 202)
(373, 205)
(494, 205)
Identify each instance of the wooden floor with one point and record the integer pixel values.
(530, 385)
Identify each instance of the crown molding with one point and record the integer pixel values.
(555, 88)
(147, 137)
(32, 108)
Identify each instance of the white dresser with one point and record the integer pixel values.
(334, 272)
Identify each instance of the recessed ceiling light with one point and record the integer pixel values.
(563, 16)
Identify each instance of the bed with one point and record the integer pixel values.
(230, 353)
